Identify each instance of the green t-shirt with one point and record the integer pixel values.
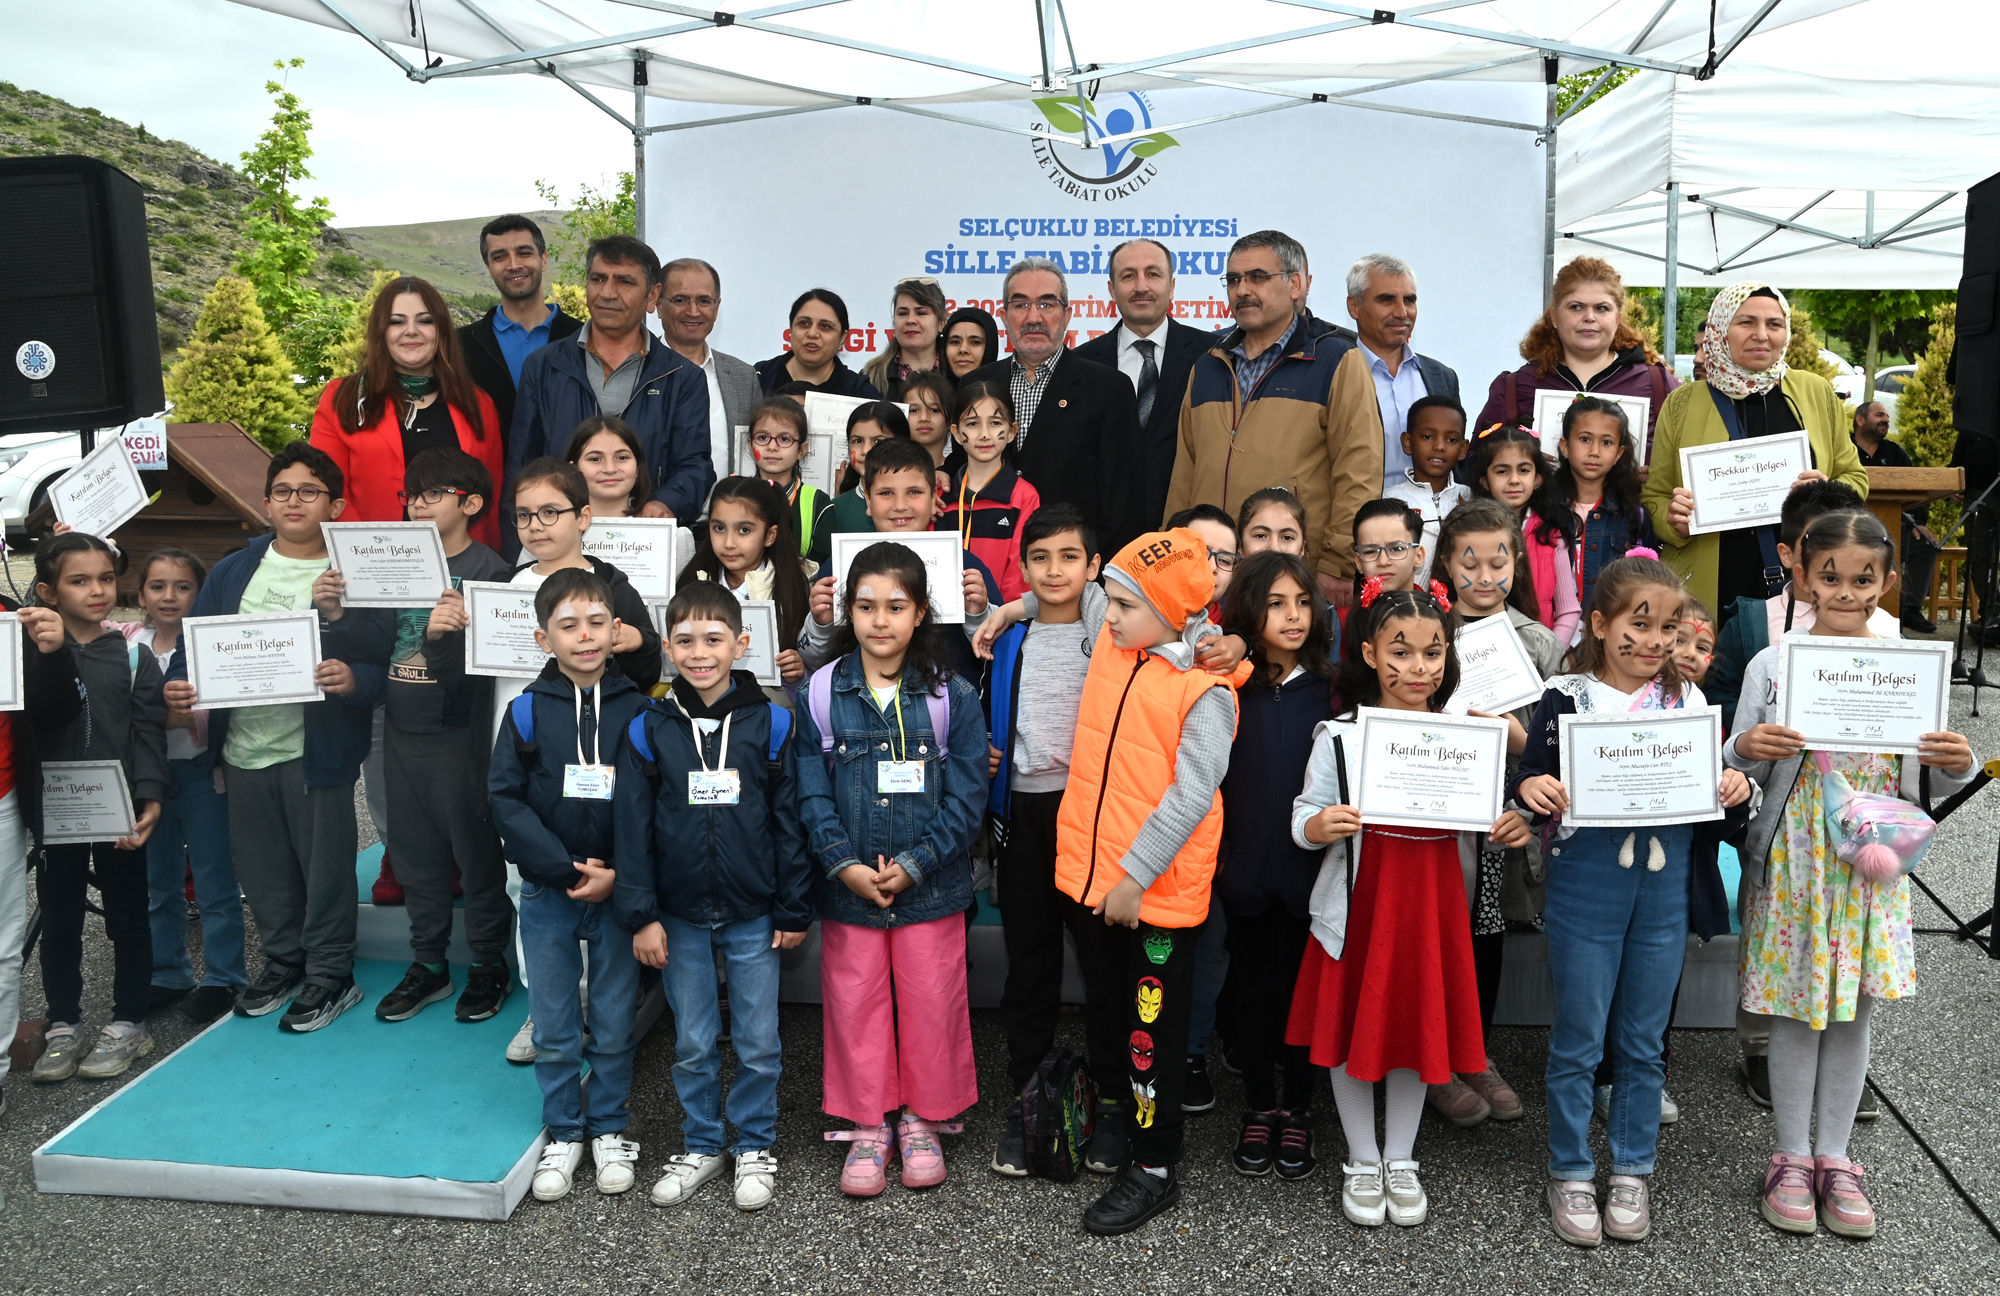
(260, 737)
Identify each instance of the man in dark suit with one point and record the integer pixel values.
(1155, 352)
(495, 344)
(1382, 298)
(1079, 441)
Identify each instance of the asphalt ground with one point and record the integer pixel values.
(1488, 1232)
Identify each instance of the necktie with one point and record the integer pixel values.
(1149, 378)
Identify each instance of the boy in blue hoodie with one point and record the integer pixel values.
(713, 857)
(291, 767)
(551, 781)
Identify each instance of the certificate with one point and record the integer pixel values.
(760, 618)
(500, 629)
(1642, 769)
(85, 801)
(1494, 672)
(1550, 402)
(1424, 770)
(265, 660)
(643, 548)
(11, 698)
(1863, 695)
(825, 455)
(944, 564)
(1743, 483)
(388, 564)
(102, 493)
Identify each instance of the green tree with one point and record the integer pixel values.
(595, 214)
(233, 369)
(1691, 306)
(1923, 410)
(1570, 88)
(284, 230)
(1871, 311)
(1802, 352)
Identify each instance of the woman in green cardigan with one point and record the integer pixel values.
(1742, 354)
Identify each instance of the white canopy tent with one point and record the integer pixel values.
(1833, 154)
(913, 57)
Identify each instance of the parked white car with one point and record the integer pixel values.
(29, 463)
(1889, 386)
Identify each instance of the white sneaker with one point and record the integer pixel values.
(616, 1159)
(756, 1173)
(119, 1045)
(1408, 1206)
(1361, 1198)
(685, 1173)
(556, 1170)
(1670, 1110)
(521, 1049)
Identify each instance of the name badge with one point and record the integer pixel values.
(899, 776)
(714, 787)
(589, 782)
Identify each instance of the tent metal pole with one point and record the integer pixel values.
(1551, 69)
(639, 80)
(1670, 296)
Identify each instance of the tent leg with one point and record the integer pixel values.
(639, 80)
(1550, 69)
(1670, 296)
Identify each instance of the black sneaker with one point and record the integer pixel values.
(1133, 1198)
(317, 1005)
(158, 997)
(1111, 1140)
(1755, 1073)
(272, 990)
(1871, 1106)
(1011, 1157)
(207, 1003)
(1198, 1094)
(418, 990)
(1254, 1145)
(1220, 1052)
(1295, 1158)
(486, 988)
(1919, 622)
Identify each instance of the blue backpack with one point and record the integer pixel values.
(523, 710)
(819, 702)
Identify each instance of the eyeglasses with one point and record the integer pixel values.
(1044, 305)
(306, 494)
(1222, 559)
(546, 515)
(1257, 278)
(433, 495)
(922, 279)
(1395, 550)
(681, 300)
(782, 440)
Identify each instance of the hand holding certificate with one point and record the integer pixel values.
(500, 629)
(1495, 674)
(646, 550)
(943, 556)
(11, 698)
(102, 493)
(86, 801)
(1739, 484)
(388, 564)
(265, 660)
(1863, 695)
(1427, 770)
(1641, 769)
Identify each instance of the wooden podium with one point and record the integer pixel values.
(1891, 490)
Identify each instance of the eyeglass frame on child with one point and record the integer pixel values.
(548, 515)
(1394, 549)
(426, 494)
(782, 440)
(289, 491)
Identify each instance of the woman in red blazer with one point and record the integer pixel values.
(412, 394)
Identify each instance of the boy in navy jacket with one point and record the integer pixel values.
(714, 860)
(551, 782)
(291, 767)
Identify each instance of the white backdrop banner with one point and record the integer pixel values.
(854, 199)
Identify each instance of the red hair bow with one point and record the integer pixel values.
(1441, 596)
(1371, 589)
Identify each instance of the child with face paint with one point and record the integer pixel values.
(890, 806)
(1508, 465)
(1824, 940)
(1482, 560)
(1598, 480)
(1617, 909)
(985, 497)
(1387, 990)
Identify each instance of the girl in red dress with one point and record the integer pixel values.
(1387, 990)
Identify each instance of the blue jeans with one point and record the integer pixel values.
(1211, 969)
(1615, 934)
(551, 925)
(752, 968)
(194, 831)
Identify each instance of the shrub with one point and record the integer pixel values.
(233, 369)
(1923, 410)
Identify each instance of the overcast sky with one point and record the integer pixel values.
(388, 151)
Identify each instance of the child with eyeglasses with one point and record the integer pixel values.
(1388, 542)
(778, 444)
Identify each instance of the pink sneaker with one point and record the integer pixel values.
(1788, 1193)
(1460, 1103)
(923, 1155)
(866, 1172)
(1843, 1208)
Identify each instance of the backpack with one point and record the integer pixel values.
(642, 742)
(1058, 1115)
(819, 703)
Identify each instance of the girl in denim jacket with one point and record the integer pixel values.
(890, 813)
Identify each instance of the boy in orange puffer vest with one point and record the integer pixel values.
(1135, 844)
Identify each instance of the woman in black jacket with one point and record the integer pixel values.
(818, 334)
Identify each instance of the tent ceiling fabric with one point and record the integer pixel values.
(914, 51)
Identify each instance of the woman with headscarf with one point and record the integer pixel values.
(1747, 392)
(916, 340)
(971, 340)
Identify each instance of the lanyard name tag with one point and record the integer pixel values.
(899, 776)
(714, 787)
(589, 782)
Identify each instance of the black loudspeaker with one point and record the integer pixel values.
(1975, 408)
(79, 344)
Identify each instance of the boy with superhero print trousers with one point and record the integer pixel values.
(1136, 842)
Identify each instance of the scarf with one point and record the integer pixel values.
(1718, 369)
(417, 386)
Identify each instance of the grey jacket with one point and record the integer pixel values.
(740, 394)
(1757, 705)
(124, 714)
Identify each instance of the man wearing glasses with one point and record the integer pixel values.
(689, 304)
(1282, 399)
(1079, 437)
(497, 343)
